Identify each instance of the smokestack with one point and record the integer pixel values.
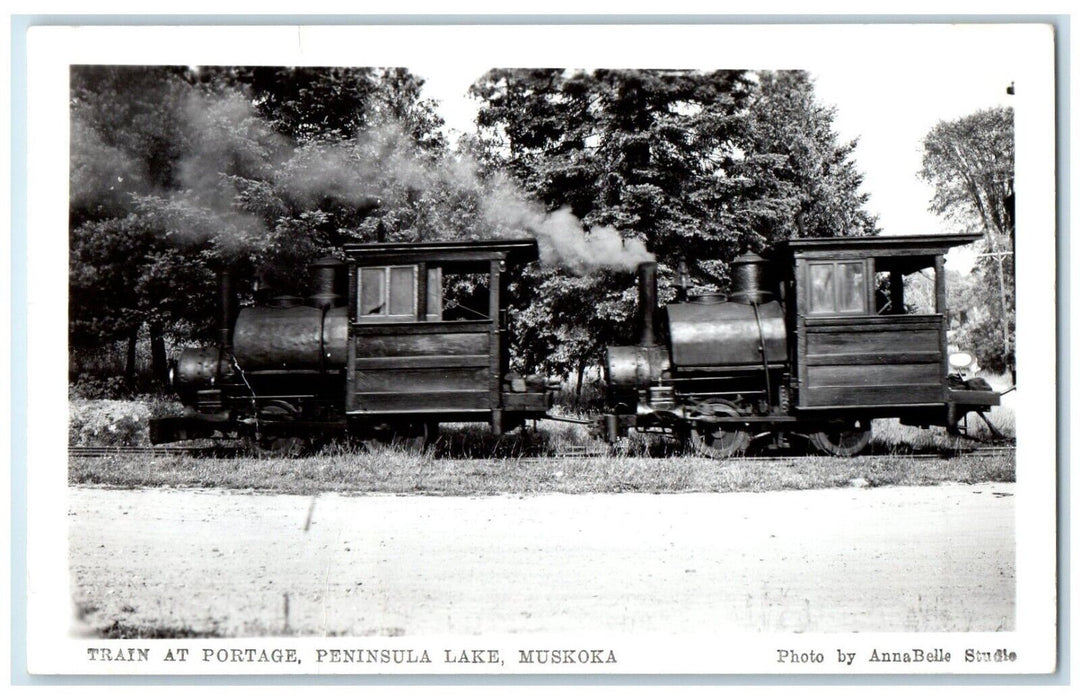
(647, 302)
(749, 280)
(227, 305)
(329, 277)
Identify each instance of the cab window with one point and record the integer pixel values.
(388, 293)
(838, 287)
(906, 285)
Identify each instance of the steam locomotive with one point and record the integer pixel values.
(818, 342)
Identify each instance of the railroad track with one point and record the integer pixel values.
(567, 452)
(141, 450)
(782, 457)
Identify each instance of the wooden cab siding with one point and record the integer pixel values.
(423, 342)
(867, 361)
(872, 361)
(421, 368)
(435, 401)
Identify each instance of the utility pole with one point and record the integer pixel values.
(1011, 226)
(999, 256)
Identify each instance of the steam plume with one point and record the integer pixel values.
(562, 238)
(233, 153)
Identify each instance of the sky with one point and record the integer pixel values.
(889, 150)
(867, 109)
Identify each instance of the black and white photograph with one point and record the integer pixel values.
(542, 350)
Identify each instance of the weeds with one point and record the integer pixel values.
(104, 422)
(396, 471)
(469, 459)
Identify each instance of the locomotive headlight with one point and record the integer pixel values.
(963, 362)
(196, 368)
(621, 366)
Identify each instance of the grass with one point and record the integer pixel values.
(123, 631)
(397, 472)
(467, 459)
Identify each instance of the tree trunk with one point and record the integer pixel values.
(129, 365)
(578, 386)
(159, 363)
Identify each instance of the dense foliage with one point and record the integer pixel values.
(970, 163)
(179, 171)
(700, 166)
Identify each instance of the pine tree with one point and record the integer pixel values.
(700, 166)
(805, 182)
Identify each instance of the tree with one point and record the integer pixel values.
(126, 136)
(697, 165)
(805, 180)
(969, 163)
(177, 171)
(125, 143)
(668, 141)
(632, 151)
(301, 103)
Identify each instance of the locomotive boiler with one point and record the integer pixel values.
(289, 352)
(818, 343)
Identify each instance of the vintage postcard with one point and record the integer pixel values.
(542, 349)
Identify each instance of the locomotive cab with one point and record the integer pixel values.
(419, 354)
(871, 330)
(861, 334)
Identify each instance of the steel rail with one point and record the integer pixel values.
(568, 452)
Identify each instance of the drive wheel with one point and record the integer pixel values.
(712, 440)
(270, 445)
(411, 438)
(848, 441)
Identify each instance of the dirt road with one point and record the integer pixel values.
(937, 558)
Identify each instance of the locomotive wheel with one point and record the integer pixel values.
(714, 441)
(847, 442)
(280, 446)
(410, 437)
(289, 447)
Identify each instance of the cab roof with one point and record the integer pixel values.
(933, 244)
(513, 250)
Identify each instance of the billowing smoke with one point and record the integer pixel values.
(238, 173)
(562, 238)
(100, 172)
(504, 210)
(230, 150)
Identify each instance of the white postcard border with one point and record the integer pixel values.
(1028, 48)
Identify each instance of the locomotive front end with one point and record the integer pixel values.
(631, 368)
(635, 373)
(197, 374)
(273, 368)
(702, 366)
